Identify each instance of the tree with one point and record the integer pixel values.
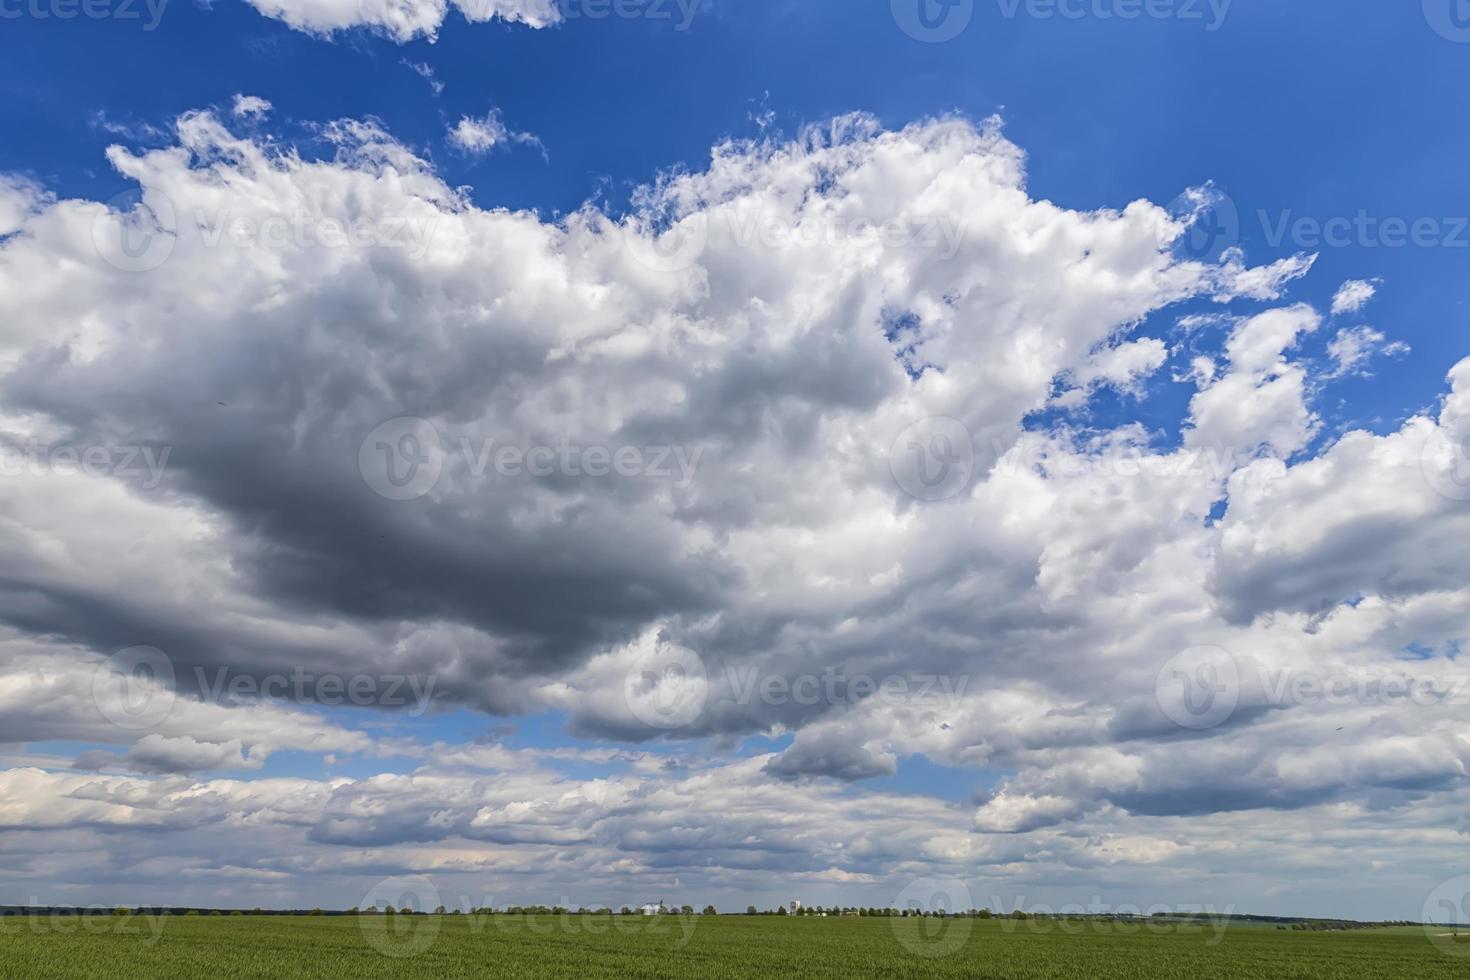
(626, 911)
(750, 910)
(780, 910)
(441, 910)
(709, 910)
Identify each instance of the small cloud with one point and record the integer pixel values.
(1125, 367)
(1352, 296)
(250, 107)
(478, 137)
(1007, 813)
(762, 115)
(139, 131)
(1351, 350)
(1235, 280)
(1202, 372)
(426, 72)
(1200, 321)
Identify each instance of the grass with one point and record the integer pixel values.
(676, 947)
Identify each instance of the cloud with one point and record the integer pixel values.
(1007, 814)
(1353, 347)
(337, 352)
(401, 20)
(19, 198)
(1235, 280)
(834, 750)
(718, 831)
(157, 753)
(250, 107)
(426, 72)
(1125, 366)
(1371, 516)
(1260, 404)
(478, 136)
(527, 314)
(1352, 296)
(53, 692)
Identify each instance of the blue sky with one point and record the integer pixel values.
(1073, 321)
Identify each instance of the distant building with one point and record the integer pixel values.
(652, 909)
(795, 907)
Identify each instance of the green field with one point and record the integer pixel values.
(727, 946)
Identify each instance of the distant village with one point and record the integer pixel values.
(796, 907)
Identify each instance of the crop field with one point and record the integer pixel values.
(118, 948)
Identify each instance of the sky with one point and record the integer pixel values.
(599, 453)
